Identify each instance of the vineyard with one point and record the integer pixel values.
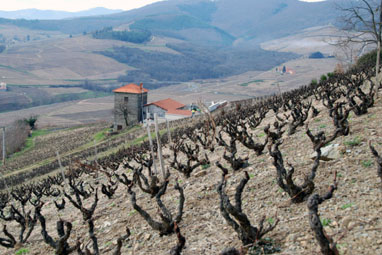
(45, 146)
(253, 178)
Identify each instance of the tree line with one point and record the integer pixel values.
(133, 36)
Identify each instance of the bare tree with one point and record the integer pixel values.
(363, 24)
(31, 121)
(15, 136)
(347, 53)
(123, 110)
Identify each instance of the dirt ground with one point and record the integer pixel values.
(352, 216)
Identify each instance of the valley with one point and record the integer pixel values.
(237, 87)
(190, 43)
(290, 165)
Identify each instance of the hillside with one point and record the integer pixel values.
(242, 140)
(184, 19)
(193, 26)
(200, 25)
(238, 87)
(167, 43)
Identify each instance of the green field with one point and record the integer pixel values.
(246, 84)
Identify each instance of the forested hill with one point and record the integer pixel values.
(192, 63)
(213, 22)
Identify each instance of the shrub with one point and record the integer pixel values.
(31, 121)
(323, 78)
(368, 59)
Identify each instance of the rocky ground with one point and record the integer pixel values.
(351, 217)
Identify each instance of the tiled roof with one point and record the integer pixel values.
(180, 112)
(168, 104)
(131, 88)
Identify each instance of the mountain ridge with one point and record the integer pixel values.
(39, 14)
(249, 20)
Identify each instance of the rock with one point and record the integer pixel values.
(291, 238)
(346, 221)
(147, 237)
(352, 225)
(342, 149)
(106, 224)
(201, 173)
(330, 152)
(139, 236)
(328, 230)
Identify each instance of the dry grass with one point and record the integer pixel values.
(66, 114)
(59, 61)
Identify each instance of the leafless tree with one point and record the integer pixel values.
(15, 137)
(123, 110)
(347, 53)
(362, 22)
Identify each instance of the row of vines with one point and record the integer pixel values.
(189, 148)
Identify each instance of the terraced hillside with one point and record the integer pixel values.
(251, 164)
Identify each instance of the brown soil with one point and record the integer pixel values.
(353, 213)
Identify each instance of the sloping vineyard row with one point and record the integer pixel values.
(46, 146)
(259, 126)
(64, 145)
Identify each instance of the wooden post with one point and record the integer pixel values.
(281, 94)
(4, 146)
(151, 146)
(168, 132)
(4, 154)
(61, 168)
(95, 152)
(142, 105)
(161, 162)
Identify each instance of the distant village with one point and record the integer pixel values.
(285, 70)
(3, 86)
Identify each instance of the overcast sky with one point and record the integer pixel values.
(78, 5)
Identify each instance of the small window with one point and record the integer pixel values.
(126, 99)
(119, 127)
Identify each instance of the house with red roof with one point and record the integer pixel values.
(167, 108)
(128, 105)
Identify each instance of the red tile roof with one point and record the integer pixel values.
(131, 88)
(168, 104)
(180, 112)
(172, 107)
